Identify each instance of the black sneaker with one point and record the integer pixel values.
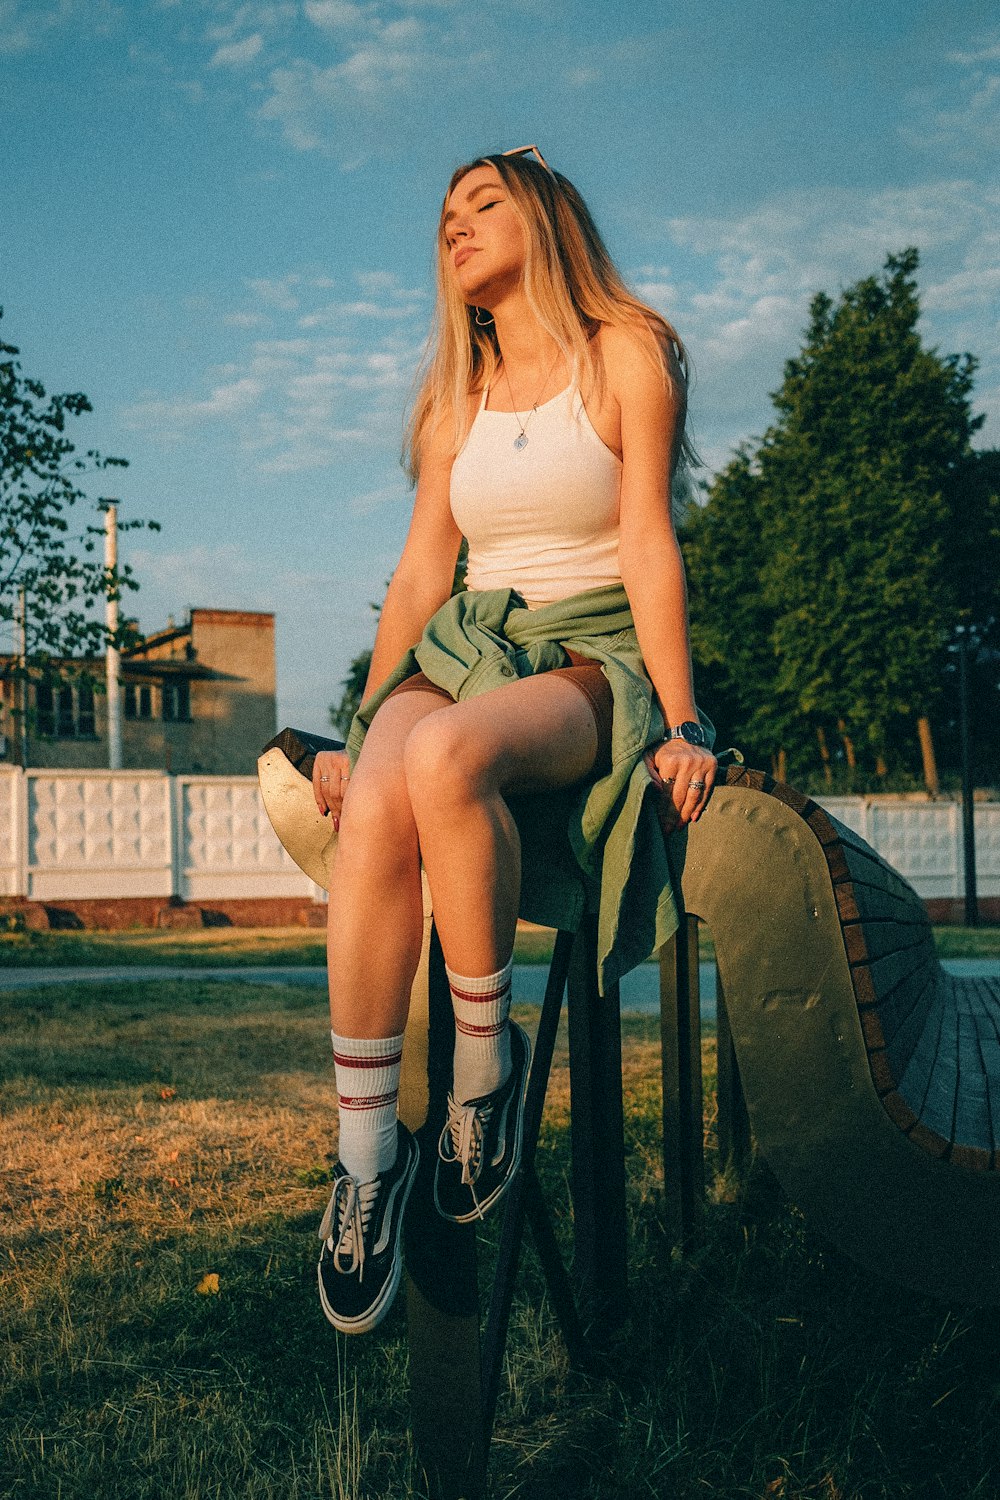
(361, 1260)
(480, 1145)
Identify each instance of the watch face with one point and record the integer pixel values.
(693, 733)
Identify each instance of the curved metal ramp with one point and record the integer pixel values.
(871, 1077)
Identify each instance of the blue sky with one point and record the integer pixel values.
(217, 219)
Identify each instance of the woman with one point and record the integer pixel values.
(547, 431)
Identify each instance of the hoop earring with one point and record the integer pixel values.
(486, 322)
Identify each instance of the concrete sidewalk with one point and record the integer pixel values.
(639, 991)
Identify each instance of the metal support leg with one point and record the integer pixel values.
(734, 1122)
(598, 1137)
(523, 1197)
(680, 1032)
(446, 1396)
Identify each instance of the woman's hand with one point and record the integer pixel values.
(331, 773)
(687, 772)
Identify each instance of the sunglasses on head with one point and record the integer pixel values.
(530, 151)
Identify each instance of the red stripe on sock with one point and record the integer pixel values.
(468, 1030)
(389, 1061)
(369, 1101)
(489, 998)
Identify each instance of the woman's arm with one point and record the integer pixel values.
(420, 585)
(652, 419)
(424, 576)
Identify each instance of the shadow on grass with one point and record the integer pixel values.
(763, 1364)
(207, 1040)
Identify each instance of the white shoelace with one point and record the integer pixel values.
(346, 1219)
(461, 1140)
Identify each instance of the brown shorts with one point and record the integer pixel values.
(584, 674)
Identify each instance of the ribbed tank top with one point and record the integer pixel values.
(542, 520)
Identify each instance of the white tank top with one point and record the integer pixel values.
(543, 519)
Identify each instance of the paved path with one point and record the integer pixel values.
(640, 989)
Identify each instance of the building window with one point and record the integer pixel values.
(177, 701)
(65, 712)
(138, 700)
(45, 710)
(85, 722)
(66, 718)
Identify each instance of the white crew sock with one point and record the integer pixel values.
(482, 1035)
(368, 1087)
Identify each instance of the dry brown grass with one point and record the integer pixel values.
(155, 1138)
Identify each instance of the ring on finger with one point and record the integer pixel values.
(324, 779)
(699, 786)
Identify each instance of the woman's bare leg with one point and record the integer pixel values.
(375, 918)
(534, 735)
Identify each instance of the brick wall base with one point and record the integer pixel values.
(121, 913)
(949, 911)
(115, 915)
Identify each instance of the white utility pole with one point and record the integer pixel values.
(22, 660)
(113, 654)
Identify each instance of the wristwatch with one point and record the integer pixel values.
(693, 733)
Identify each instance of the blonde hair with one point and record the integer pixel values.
(572, 286)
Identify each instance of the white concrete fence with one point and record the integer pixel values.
(77, 835)
(72, 835)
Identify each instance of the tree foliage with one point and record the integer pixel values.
(832, 561)
(351, 690)
(44, 551)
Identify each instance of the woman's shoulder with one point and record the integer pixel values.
(638, 357)
(640, 341)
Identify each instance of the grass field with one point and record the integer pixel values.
(165, 1150)
(230, 947)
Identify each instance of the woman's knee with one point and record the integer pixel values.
(377, 818)
(442, 761)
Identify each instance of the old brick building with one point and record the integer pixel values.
(196, 698)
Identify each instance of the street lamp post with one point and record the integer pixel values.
(968, 804)
(112, 660)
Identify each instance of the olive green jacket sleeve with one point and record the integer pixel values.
(595, 847)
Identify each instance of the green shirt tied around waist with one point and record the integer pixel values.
(592, 847)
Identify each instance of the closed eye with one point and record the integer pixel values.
(485, 206)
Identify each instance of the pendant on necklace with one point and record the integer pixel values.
(521, 441)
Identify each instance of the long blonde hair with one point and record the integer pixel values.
(572, 286)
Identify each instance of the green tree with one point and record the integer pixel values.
(351, 689)
(46, 559)
(851, 504)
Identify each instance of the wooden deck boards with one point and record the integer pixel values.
(933, 1041)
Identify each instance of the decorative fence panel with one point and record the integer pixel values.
(227, 846)
(11, 833)
(68, 835)
(80, 835)
(923, 840)
(93, 834)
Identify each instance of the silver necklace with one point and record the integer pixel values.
(521, 441)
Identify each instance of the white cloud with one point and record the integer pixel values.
(336, 14)
(741, 302)
(281, 294)
(256, 15)
(961, 116)
(334, 377)
(25, 25)
(989, 53)
(170, 418)
(237, 54)
(244, 320)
